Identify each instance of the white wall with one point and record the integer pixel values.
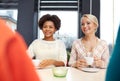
(109, 19)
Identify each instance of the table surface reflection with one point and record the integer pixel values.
(72, 75)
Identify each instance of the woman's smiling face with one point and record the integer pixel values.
(48, 29)
(87, 26)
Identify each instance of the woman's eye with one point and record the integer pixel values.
(82, 24)
(88, 23)
(44, 26)
(51, 27)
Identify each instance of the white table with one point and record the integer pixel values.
(72, 75)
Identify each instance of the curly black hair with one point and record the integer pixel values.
(54, 18)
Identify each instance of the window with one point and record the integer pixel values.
(69, 25)
(10, 15)
(110, 19)
(67, 11)
(8, 11)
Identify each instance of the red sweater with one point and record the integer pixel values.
(15, 65)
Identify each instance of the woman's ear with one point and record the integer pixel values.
(55, 30)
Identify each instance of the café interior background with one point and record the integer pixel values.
(109, 22)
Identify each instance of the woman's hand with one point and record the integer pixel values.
(98, 62)
(81, 63)
(46, 63)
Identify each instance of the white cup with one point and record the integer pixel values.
(89, 60)
(36, 62)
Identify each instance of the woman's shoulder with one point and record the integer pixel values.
(36, 41)
(59, 41)
(77, 40)
(102, 41)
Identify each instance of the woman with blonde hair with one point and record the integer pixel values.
(89, 46)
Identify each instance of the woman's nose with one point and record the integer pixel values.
(47, 28)
(84, 26)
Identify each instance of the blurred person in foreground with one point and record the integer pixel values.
(50, 51)
(15, 65)
(89, 46)
(113, 69)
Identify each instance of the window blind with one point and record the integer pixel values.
(58, 4)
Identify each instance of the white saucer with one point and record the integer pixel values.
(92, 70)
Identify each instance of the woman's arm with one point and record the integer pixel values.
(49, 62)
(73, 57)
(103, 61)
(30, 51)
(62, 55)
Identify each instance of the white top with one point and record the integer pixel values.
(42, 49)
